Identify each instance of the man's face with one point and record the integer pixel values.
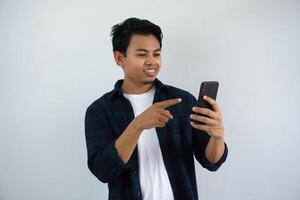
(143, 53)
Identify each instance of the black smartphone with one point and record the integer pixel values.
(210, 89)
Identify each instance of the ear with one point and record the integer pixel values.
(119, 58)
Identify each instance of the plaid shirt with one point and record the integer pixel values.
(107, 117)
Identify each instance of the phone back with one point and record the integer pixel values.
(207, 88)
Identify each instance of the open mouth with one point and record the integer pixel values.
(150, 72)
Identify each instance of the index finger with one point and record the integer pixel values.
(212, 102)
(169, 102)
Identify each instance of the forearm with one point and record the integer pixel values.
(127, 141)
(214, 149)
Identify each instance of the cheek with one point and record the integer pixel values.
(136, 62)
(158, 61)
(135, 66)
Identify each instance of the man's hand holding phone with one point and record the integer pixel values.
(208, 114)
(212, 121)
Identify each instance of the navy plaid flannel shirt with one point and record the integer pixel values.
(108, 116)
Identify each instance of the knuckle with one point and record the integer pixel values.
(162, 120)
(167, 112)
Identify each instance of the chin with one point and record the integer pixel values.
(150, 80)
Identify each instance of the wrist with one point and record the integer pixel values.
(217, 139)
(137, 124)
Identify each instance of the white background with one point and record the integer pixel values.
(56, 58)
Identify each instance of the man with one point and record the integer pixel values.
(139, 136)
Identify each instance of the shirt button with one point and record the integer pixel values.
(138, 194)
(135, 172)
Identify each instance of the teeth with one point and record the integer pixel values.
(150, 70)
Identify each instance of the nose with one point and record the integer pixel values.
(150, 61)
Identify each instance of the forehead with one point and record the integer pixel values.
(149, 42)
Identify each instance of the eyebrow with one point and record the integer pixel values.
(145, 50)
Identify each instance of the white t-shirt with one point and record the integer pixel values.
(153, 176)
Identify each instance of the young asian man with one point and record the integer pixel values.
(139, 136)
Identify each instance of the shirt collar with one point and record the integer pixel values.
(118, 90)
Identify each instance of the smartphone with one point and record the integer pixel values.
(210, 89)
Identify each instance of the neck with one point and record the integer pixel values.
(131, 87)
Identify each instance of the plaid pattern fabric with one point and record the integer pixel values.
(107, 117)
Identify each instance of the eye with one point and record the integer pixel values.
(141, 54)
(157, 54)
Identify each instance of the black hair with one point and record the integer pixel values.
(122, 32)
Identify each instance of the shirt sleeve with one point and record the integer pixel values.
(103, 159)
(200, 141)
